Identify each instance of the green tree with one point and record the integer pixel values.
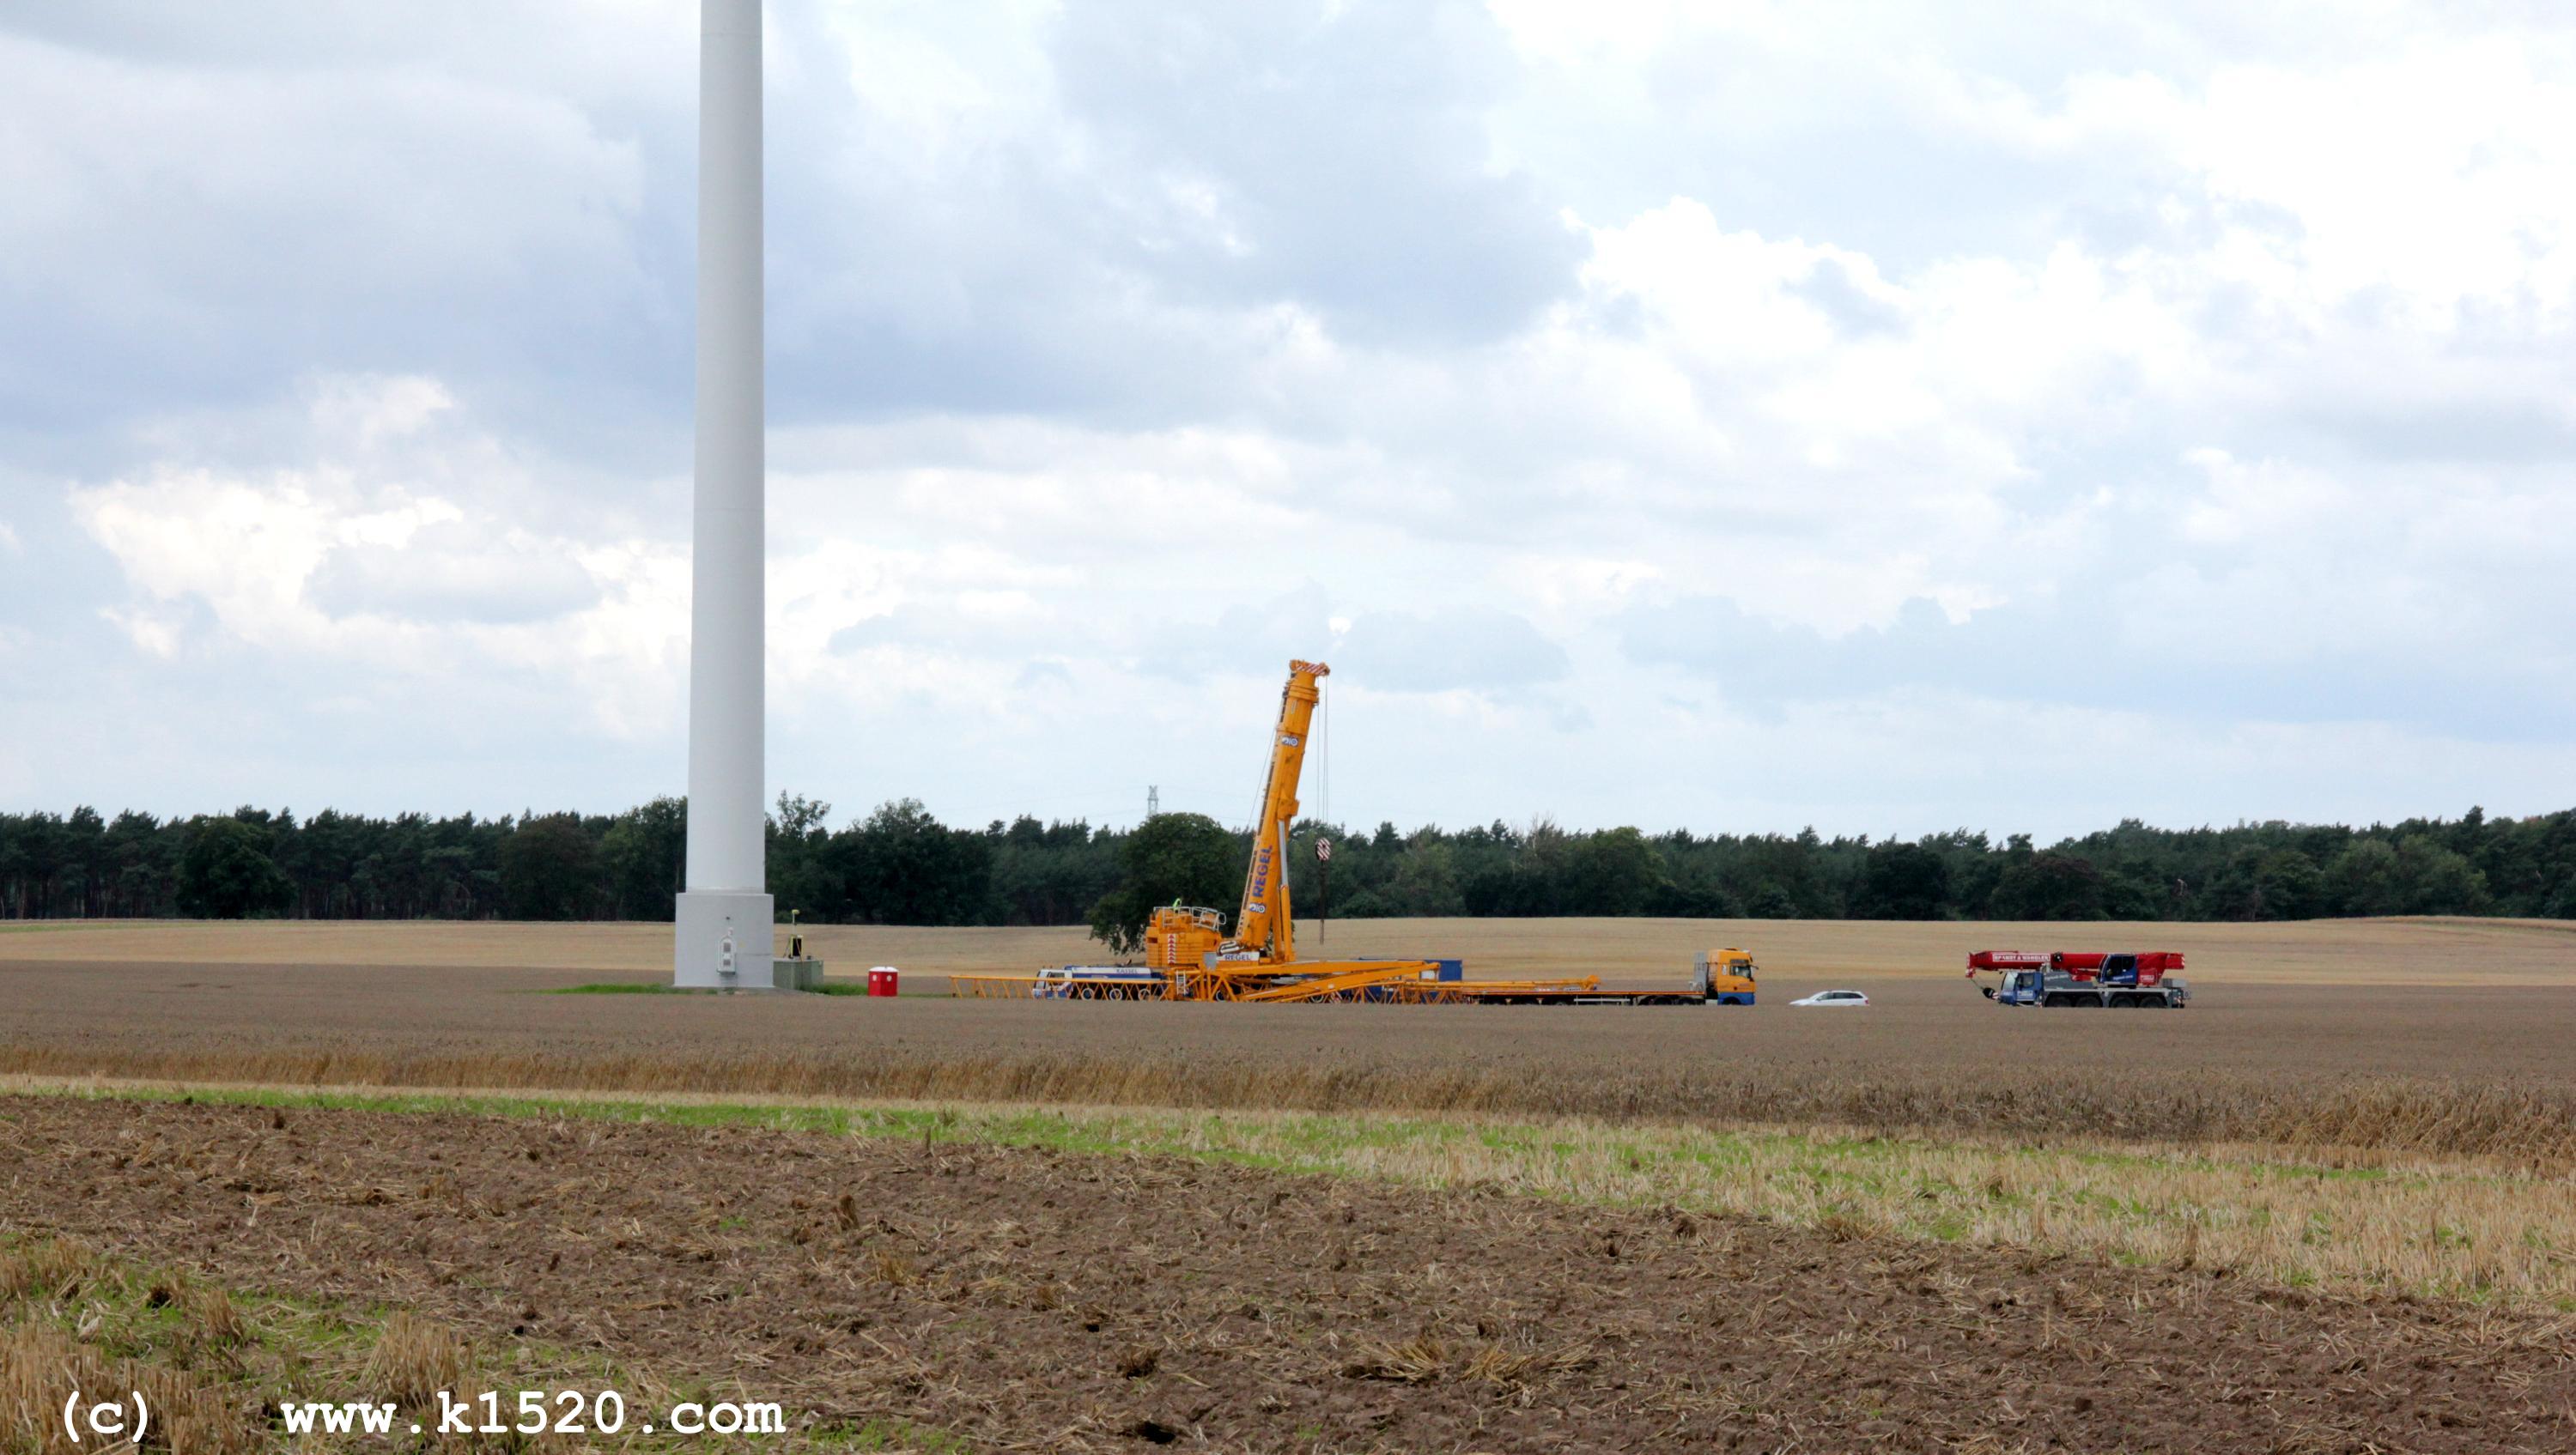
(1770, 870)
(2362, 880)
(549, 869)
(2050, 887)
(1612, 872)
(1903, 881)
(644, 859)
(1026, 871)
(2431, 879)
(1187, 858)
(802, 876)
(901, 866)
(1425, 883)
(1773, 902)
(227, 873)
(2293, 886)
(1051, 874)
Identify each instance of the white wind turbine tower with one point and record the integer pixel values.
(724, 914)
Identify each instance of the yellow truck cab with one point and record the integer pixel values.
(1725, 977)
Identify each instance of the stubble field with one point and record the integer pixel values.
(1643, 952)
(2328, 1208)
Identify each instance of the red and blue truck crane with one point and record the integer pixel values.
(2084, 979)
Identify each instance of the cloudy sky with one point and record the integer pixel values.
(1730, 415)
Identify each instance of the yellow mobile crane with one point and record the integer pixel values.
(1189, 955)
(1185, 942)
(1197, 960)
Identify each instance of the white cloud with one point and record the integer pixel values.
(2447, 175)
(153, 634)
(349, 568)
(2175, 403)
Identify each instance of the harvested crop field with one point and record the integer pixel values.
(1638, 952)
(1022, 1298)
(2471, 1069)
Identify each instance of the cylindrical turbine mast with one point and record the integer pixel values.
(724, 915)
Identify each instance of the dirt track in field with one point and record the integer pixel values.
(2478, 1069)
(1639, 952)
(1030, 1300)
(123, 1017)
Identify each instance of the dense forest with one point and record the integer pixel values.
(900, 865)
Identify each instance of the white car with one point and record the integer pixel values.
(1834, 997)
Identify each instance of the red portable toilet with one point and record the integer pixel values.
(881, 980)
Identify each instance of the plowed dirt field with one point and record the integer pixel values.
(1027, 1300)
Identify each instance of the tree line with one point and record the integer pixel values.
(900, 865)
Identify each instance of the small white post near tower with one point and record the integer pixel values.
(723, 934)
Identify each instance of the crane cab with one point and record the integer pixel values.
(1725, 977)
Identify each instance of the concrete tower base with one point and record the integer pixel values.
(707, 918)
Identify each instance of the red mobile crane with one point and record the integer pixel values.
(2084, 978)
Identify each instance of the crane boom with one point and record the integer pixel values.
(1267, 926)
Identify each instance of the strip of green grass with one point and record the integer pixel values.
(1311, 1141)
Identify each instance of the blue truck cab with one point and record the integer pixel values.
(2021, 987)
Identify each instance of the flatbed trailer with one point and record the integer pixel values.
(1579, 990)
(1508, 992)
